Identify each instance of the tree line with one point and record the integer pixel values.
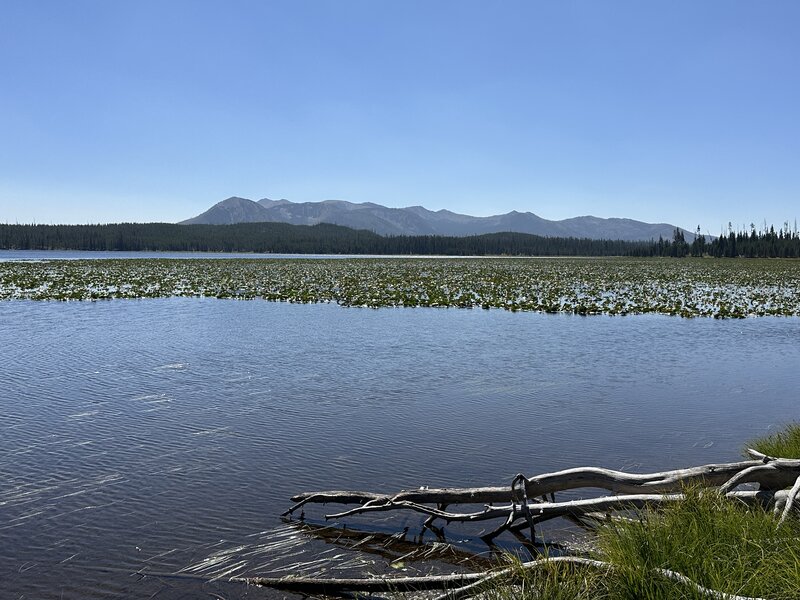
(282, 238)
(765, 243)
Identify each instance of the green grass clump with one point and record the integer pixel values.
(718, 543)
(782, 444)
(721, 544)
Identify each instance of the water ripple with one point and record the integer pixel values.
(168, 435)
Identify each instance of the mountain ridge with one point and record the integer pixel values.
(418, 220)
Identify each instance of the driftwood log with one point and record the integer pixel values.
(532, 500)
(771, 482)
(459, 585)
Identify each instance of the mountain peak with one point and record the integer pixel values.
(418, 220)
(229, 211)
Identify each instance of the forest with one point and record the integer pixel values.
(282, 238)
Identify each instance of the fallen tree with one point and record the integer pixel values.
(772, 483)
(668, 499)
(532, 499)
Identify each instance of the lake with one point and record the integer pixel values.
(169, 434)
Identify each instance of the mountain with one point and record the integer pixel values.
(417, 220)
(230, 211)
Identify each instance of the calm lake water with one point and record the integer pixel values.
(169, 434)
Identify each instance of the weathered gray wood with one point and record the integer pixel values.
(316, 585)
(772, 474)
(779, 473)
(472, 588)
(790, 499)
(759, 455)
(544, 511)
(515, 504)
(465, 584)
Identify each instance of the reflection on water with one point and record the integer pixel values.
(170, 434)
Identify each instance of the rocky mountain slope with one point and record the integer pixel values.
(417, 220)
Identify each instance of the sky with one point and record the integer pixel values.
(673, 111)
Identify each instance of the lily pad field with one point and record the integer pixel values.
(613, 286)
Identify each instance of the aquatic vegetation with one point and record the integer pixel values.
(584, 286)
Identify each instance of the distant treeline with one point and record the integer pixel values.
(282, 238)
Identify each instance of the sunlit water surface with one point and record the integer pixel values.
(168, 435)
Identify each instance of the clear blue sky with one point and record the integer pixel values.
(677, 111)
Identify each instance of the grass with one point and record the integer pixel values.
(781, 444)
(554, 581)
(720, 544)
